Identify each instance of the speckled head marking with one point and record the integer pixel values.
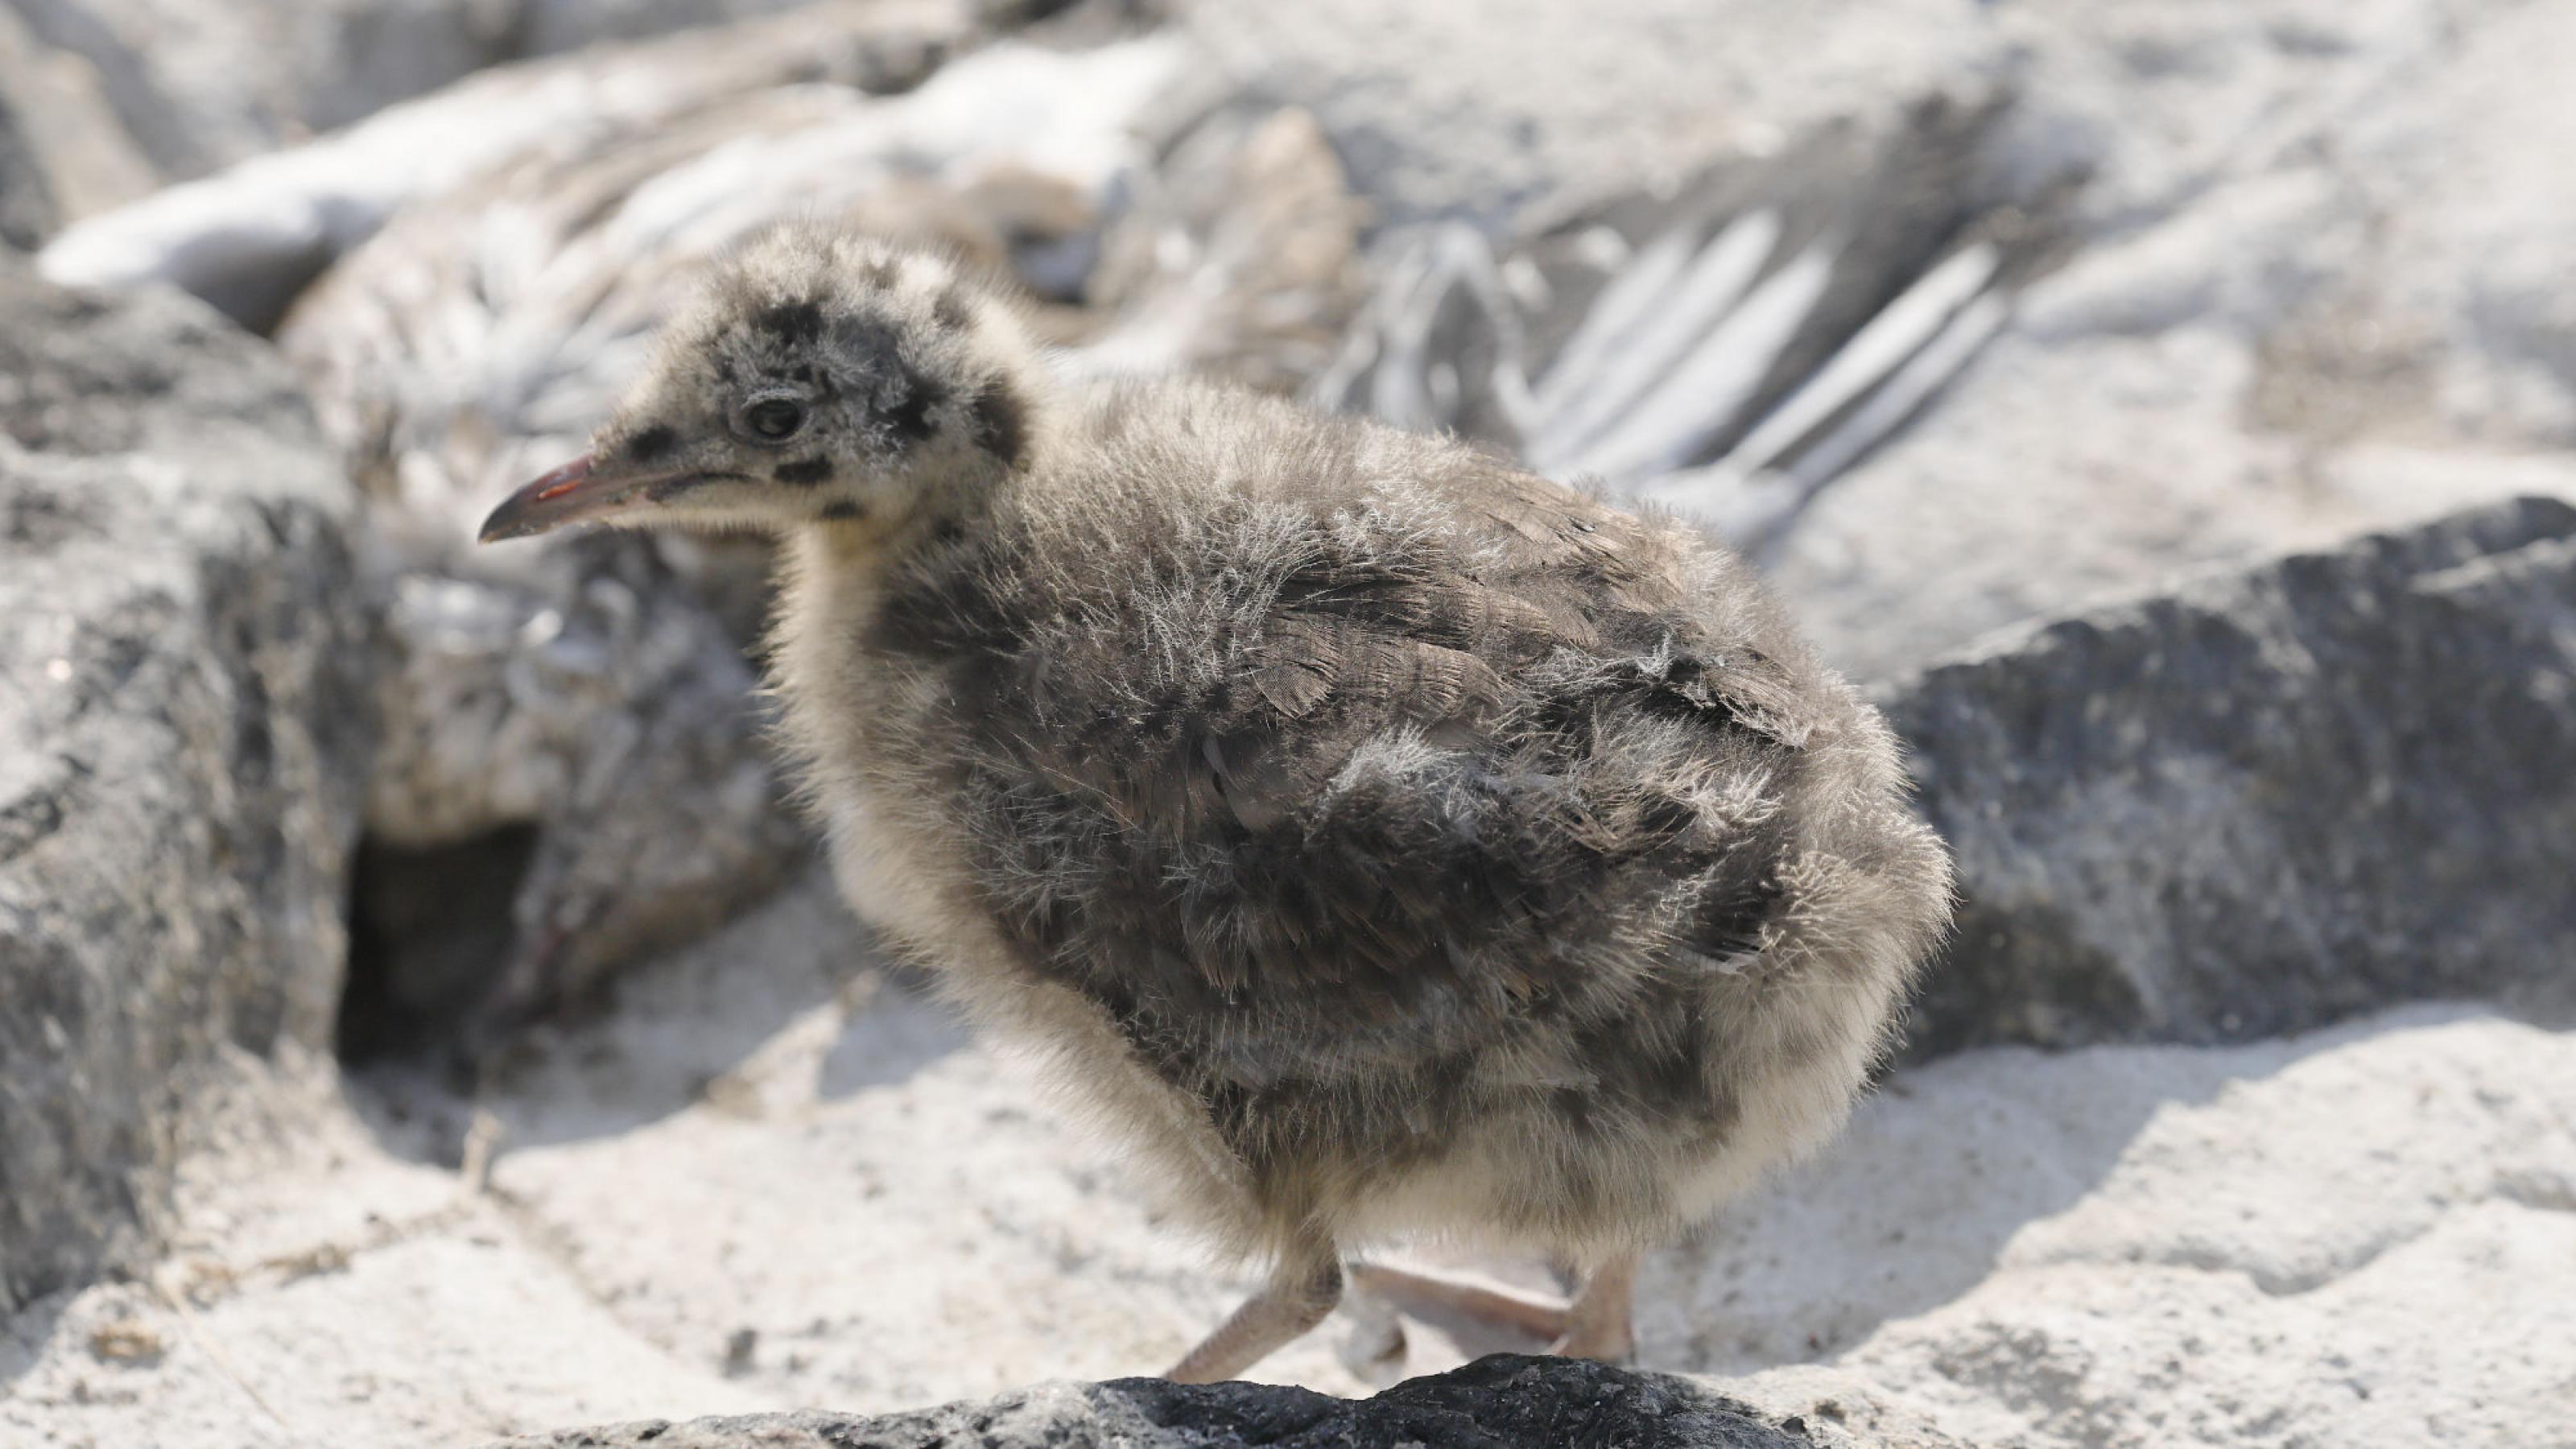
(818, 378)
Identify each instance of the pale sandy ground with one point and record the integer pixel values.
(776, 1177)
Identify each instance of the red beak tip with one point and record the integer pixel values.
(510, 520)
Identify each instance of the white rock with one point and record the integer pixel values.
(1480, 109)
(2362, 1237)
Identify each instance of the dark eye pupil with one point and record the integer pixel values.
(776, 418)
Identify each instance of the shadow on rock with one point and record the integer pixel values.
(24, 1335)
(885, 1045)
(791, 1001)
(1950, 1170)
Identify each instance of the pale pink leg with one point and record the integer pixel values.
(1600, 1323)
(1512, 1310)
(1298, 1296)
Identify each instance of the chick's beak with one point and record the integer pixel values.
(578, 492)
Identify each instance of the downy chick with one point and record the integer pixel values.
(1392, 843)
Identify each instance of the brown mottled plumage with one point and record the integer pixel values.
(1390, 841)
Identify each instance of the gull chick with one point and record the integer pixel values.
(1390, 843)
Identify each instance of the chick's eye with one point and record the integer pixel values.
(774, 419)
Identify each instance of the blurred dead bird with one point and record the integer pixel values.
(1392, 842)
(1730, 347)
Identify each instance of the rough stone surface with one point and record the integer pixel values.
(1239, 259)
(592, 703)
(2313, 284)
(1494, 1402)
(249, 238)
(27, 210)
(1480, 110)
(2267, 801)
(63, 152)
(2360, 1237)
(183, 726)
(204, 86)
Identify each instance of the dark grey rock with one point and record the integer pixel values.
(2268, 800)
(1501, 1402)
(183, 727)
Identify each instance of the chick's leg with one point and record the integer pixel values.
(1301, 1291)
(1600, 1322)
(1436, 1295)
